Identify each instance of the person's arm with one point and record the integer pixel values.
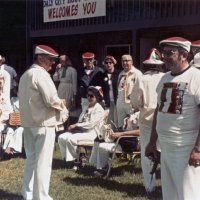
(56, 76)
(135, 132)
(50, 96)
(195, 154)
(151, 147)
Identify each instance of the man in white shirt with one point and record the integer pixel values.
(39, 105)
(126, 82)
(176, 123)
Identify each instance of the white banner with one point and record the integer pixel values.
(57, 10)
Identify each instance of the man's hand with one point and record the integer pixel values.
(116, 135)
(194, 158)
(71, 126)
(58, 66)
(151, 148)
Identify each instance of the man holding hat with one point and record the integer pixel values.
(176, 123)
(39, 108)
(90, 75)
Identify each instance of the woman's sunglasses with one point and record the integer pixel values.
(90, 96)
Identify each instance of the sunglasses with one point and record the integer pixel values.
(108, 62)
(90, 96)
(168, 53)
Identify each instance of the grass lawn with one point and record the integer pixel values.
(125, 182)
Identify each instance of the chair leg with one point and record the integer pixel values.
(110, 162)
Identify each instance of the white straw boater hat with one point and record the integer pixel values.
(196, 60)
(153, 58)
(178, 42)
(44, 49)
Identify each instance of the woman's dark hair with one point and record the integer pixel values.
(97, 94)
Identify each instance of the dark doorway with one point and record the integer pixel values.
(117, 51)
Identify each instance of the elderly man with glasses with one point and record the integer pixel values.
(40, 107)
(89, 75)
(126, 82)
(176, 123)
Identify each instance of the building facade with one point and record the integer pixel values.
(128, 26)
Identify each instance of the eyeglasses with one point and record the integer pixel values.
(126, 60)
(108, 63)
(168, 53)
(90, 96)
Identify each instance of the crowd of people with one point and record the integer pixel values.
(163, 96)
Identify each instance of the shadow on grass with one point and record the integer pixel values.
(9, 196)
(131, 189)
(58, 164)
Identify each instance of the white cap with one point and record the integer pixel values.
(44, 49)
(178, 42)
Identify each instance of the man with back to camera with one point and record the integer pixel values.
(39, 106)
(176, 123)
(144, 98)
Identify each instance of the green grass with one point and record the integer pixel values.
(125, 181)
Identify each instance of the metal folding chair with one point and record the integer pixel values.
(115, 150)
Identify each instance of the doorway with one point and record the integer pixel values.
(117, 51)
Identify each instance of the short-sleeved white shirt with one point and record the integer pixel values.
(179, 115)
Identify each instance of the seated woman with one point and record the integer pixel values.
(5, 105)
(14, 135)
(87, 127)
(101, 150)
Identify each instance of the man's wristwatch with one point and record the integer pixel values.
(197, 149)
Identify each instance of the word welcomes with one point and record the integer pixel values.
(56, 10)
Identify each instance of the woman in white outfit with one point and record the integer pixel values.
(5, 105)
(14, 136)
(144, 98)
(87, 127)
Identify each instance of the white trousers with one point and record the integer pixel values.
(68, 143)
(100, 154)
(179, 180)
(149, 180)
(123, 109)
(39, 145)
(14, 139)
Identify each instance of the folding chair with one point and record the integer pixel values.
(115, 150)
